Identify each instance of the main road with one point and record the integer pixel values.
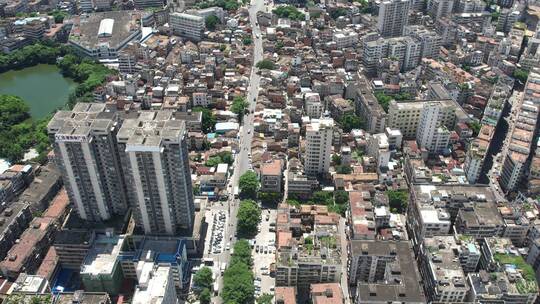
(243, 156)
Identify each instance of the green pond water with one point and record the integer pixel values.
(42, 87)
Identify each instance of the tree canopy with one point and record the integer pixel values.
(475, 126)
(203, 278)
(289, 11)
(265, 299)
(249, 217)
(205, 296)
(269, 197)
(343, 169)
(337, 201)
(384, 100)
(403, 96)
(398, 200)
(13, 110)
(322, 197)
(211, 22)
(223, 157)
(58, 15)
(18, 132)
(521, 75)
(350, 121)
(341, 197)
(338, 12)
(228, 5)
(242, 253)
(238, 106)
(249, 184)
(208, 119)
(265, 64)
(238, 284)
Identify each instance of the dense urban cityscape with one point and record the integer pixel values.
(269, 151)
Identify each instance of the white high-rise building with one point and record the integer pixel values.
(440, 8)
(474, 161)
(507, 19)
(187, 26)
(379, 148)
(84, 142)
(405, 116)
(319, 135)
(432, 135)
(407, 50)
(156, 167)
(515, 164)
(393, 17)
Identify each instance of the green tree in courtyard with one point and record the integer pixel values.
(398, 200)
(211, 22)
(208, 119)
(350, 121)
(384, 100)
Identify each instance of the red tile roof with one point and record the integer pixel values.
(286, 295)
(49, 264)
(326, 293)
(58, 206)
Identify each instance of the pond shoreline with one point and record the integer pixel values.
(42, 87)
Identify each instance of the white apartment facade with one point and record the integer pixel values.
(393, 17)
(405, 116)
(158, 179)
(319, 134)
(440, 8)
(313, 105)
(379, 148)
(186, 25)
(345, 39)
(432, 134)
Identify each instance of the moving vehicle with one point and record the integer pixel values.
(235, 192)
(223, 267)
